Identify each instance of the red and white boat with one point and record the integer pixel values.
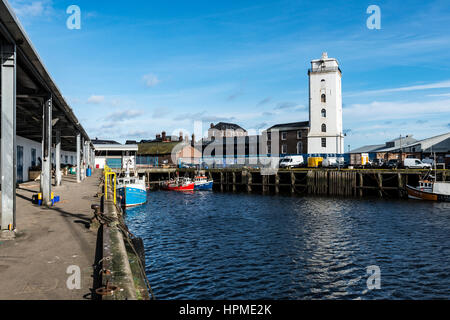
(179, 184)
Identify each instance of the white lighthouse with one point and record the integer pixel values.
(325, 107)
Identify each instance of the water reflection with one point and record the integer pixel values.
(236, 246)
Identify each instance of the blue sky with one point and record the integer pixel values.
(139, 67)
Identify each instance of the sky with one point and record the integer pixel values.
(136, 68)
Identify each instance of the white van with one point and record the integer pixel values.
(333, 162)
(292, 162)
(413, 163)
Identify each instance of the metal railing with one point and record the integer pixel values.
(108, 172)
(326, 69)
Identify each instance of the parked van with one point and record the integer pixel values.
(292, 162)
(333, 162)
(314, 162)
(412, 163)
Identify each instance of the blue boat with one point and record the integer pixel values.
(131, 190)
(203, 184)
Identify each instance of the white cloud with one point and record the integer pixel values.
(27, 9)
(436, 85)
(96, 99)
(124, 115)
(150, 80)
(384, 111)
(439, 95)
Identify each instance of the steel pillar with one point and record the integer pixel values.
(58, 158)
(8, 137)
(78, 158)
(47, 133)
(83, 159)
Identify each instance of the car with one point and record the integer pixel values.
(377, 163)
(292, 162)
(393, 164)
(413, 163)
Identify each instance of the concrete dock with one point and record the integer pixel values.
(49, 240)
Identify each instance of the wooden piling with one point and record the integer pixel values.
(292, 182)
(361, 184)
(277, 183)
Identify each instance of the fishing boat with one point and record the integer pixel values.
(179, 184)
(430, 190)
(131, 189)
(202, 183)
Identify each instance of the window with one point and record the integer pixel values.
(284, 149)
(323, 98)
(67, 159)
(269, 136)
(269, 149)
(284, 136)
(71, 159)
(299, 134)
(299, 148)
(324, 142)
(324, 127)
(324, 113)
(33, 157)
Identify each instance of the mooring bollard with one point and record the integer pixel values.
(97, 219)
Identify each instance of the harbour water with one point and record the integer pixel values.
(208, 245)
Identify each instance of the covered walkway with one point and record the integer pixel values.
(33, 108)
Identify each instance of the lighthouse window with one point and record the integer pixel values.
(324, 113)
(323, 98)
(324, 128)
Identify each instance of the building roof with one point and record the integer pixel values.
(290, 126)
(116, 147)
(408, 142)
(370, 148)
(33, 84)
(425, 144)
(157, 148)
(99, 141)
(227, 126)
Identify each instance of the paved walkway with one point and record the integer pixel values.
(34, 265)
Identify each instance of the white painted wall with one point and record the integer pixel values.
(28, 145)
(332, 88)
(100, 161)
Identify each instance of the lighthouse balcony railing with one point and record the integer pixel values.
(326, 69)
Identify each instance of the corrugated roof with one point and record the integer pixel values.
(116, 147)
(369, 148)
(425, 143)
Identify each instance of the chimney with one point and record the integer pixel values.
(193, 137)
(186, 138)
(212, 125)
(180, 136)
(163, 136)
